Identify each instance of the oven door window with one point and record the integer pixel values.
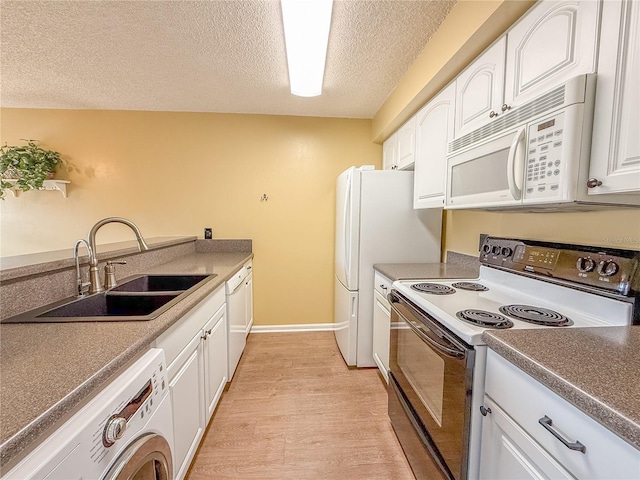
(427, 383)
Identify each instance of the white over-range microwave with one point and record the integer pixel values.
(535, 156)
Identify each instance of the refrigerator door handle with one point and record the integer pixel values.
(347, 230)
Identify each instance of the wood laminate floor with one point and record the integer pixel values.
(295, 411)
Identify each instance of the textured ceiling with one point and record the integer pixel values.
(202, 56)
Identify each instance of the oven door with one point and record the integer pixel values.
(431, 374)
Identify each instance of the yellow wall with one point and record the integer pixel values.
(176, 173)
(470, 27)
(613, 228)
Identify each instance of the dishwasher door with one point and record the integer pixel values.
(236, 314)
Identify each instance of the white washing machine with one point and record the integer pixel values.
(124, 432)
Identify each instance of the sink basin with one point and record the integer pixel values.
(107, 305)
(143, 297)
(160, 283)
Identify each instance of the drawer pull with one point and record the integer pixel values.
(547, 423)
(382, 286)
(485, 410)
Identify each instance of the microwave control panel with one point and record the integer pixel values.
(544, 165)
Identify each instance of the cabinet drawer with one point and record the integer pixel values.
(179, 334)
(381, 284)
(526, 401)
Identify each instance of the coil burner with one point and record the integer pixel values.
(433, 288)
(537, 315)
(474, 287)
(483, 318)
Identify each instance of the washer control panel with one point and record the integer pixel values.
(134, 402)
(544, 165)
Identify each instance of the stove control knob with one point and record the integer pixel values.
(113, 430)
(607, 268)
(495, 250)
(506, 251)
(486, 248)
(585, 264)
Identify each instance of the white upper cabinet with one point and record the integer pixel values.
(480, 90)
(553, 42)
(407, 144)
(390, 153)
(434, 130)
(615, 151)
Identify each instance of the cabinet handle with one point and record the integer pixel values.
(248, 267)
(382, 286)
(506, 107)
(204, 337)
(493, 114)
(593, 183)
(484, 410)
(547, 423)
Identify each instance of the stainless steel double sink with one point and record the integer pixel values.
(137, 298)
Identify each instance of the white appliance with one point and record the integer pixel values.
(536, 155)
(126, 431)
(437, 345)
(237, 318)
(375, 223)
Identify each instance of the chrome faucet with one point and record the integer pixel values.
(94, 275)
(81, 287)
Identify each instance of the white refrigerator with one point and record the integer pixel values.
(375, 223)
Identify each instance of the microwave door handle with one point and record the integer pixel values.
(516, 192)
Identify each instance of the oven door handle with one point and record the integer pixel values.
(429, 338)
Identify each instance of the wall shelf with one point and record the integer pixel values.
(60, 185)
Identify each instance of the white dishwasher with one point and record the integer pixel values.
(236, 315)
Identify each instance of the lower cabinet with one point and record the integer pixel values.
(215, 359)
(186, 386)
(197, 373)
(528, 431)
(509, 453)
(381, 323)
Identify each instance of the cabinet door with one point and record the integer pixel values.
(434, 131)
(390, 153)
(248, 285)
(480, 90)
(508, 453)
(407, 144)
(187, 399)
(551, 43)
(215, 359)
(615, 152)
(381, 326)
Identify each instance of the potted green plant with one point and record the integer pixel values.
(27, 166)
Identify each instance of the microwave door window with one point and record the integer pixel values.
(481, 175)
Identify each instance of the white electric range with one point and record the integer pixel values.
(438, 356)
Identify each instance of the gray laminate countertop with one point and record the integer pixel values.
(48, 370)
(406, 271)
(597, 369)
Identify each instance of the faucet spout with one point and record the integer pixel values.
(93, 258)
(80, 285)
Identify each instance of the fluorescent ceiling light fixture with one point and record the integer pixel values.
(306, 35)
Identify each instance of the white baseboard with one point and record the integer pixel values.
(308, 327)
